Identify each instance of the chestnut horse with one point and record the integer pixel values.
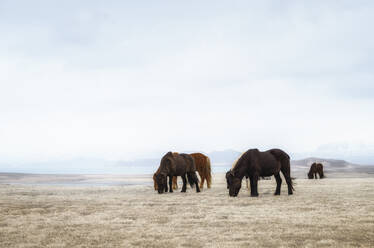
(174, 164)
(202, 163)
(314, 169)
(257, 164)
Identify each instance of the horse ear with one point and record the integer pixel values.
(169, 153)
(232, 173)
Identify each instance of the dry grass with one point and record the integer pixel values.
(321, 213)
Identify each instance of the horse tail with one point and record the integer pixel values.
(284, 160)
(292, 182)
(175, 182)
(287, 164)
(208, 172)
(291, 179)
(192, 178)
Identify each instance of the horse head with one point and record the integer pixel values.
(310, 175)
(233, 183)
(161, 182)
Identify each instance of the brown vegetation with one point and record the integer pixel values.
(323, 213)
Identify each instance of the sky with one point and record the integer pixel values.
(121, 80)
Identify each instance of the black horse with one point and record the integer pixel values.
(316, 168)
(174, 164)
(255, 164)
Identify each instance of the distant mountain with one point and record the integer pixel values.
(225, 157)
(354, 152)
(301, 167)
(221, 161)
(334, 163)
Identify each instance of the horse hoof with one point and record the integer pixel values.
(254, 195)
(276, 193)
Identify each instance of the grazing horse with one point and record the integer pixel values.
(202, 163)
(174, 164)
(257, 164)
(314, 169)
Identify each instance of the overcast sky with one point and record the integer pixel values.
(128, 79)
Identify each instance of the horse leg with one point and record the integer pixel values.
(251, 184)
(254, 191)
(184, 187)
(202, 182)
(175, 182)
(246, 182)
(155, 185)
(196, 180)
(171, 184)
(279, 183)
(315, 175)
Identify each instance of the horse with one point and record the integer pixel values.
(257, 164)
(202, 163)
(175, 164)
(203, 167)
(314, 169)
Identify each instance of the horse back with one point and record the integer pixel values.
(313, 168)
(269, 164)
(279, 154)
(185, 163)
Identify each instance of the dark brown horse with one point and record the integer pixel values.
(202, 163)
(174, 164)
(255, 164)
(316, 168)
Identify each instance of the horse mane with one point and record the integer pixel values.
(236, 161)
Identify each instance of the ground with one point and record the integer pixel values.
(331, 212)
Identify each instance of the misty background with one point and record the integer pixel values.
(95, 87)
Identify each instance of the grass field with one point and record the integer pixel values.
(321, 213)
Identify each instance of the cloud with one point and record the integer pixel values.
(120, 80)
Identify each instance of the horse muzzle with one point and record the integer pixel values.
(233, 194)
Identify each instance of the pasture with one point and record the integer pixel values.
(333, 212)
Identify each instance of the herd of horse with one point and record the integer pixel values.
(252, 164)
